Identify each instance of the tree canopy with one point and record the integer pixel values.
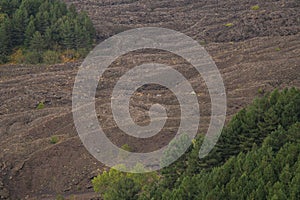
(256, 157)
(37, 26)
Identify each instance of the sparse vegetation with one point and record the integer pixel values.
(256, 7)
(40, 105)
(54, 139)
(229, 24)
(260, 90)
(126, 147)
(59, 197)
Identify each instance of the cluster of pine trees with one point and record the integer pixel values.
(36, 31)
(256, 157)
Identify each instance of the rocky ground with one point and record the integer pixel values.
(255, 51)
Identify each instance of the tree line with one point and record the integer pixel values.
(36, 31)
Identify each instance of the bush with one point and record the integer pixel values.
(17, 57)
(69, 55)
(59, 197)
(256, 7)
(229, 24)
(54, 139)
(126, 147)
(114, 184)
(83, 52)
(40, 106)
(261, 90)
(33, 57)
(51, 57)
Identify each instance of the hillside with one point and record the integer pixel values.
(257, 53)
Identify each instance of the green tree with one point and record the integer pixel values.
(38, 25)
(29, 32)
(31, 6)
(19, 23)
(37, 43)
(114, 184)
(256, 157)
(42, 21)
(4, 42)
(67, 34)
(125, 189)
(9, 6)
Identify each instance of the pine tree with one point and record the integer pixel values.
(42, 21)
(29, 32)
(82, 39)
(72, 12)
(294, 190)
(86, 22)
(31, 6)
(125, 189)
(19, 23)
(37, 43)
(4, 44)
(9, 6)
(37, 25)
(67, 34)
(59, 9)
(5, 40)
(277, 192)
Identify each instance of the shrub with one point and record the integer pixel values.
(59, 197)
(17, 57)
(114, 184)
(40, 106)
(69, 55)
(51, 57)
(54, 139)
(229, 24)
(33, 57)
(83, 52)
(126, 147)
(256, 7)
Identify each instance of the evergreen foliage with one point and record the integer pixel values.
(256, 157)
(40, 26)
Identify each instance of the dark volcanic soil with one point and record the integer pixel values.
(259, 52)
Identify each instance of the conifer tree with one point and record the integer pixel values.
(37, 43)
(19, 23)
(29, 32)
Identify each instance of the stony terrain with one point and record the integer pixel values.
(255, 51)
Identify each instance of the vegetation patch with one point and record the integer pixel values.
(277, 49)
(256, 7)
(256, 157)
(229, 24)
(40, 106)
(54, 140)
(38, 31)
